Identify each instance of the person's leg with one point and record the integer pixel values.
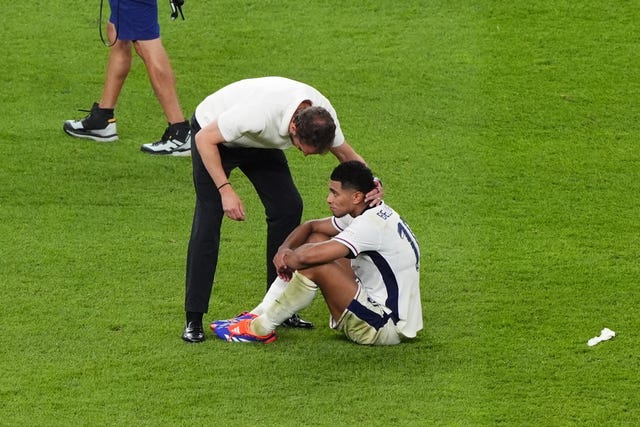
(204, 243)
(337, 281)
(161, 76)
(275, 290)
(338, 286)
(279, 285)
(100, 124)
(278, 306)
(202, 254)
(270, 175)
(176, 140)
(118, 68)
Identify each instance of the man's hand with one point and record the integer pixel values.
(232, 204)
(176, 6)
(374, 197)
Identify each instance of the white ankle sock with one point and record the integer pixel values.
(298, 294)
(277, 287)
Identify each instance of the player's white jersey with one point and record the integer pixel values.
(386, 259)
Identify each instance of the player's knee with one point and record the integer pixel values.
(325, 273)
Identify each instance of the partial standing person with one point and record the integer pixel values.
(134, 24)
(373, 299)
(247, 125)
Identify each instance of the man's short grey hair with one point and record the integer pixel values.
(315, 127)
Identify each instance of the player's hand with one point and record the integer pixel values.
(232, 204)
(284, 272)
(374, 197)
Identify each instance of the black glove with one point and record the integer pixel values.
(176, 6)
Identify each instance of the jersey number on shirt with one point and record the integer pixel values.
(405, 232)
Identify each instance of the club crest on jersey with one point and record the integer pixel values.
(384, 213)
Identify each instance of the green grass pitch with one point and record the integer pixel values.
(506, 133)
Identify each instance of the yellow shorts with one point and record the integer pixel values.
(367, 322)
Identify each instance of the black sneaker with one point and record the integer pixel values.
(176, 141)
(98, 125)
(193, 332)
(296, 321)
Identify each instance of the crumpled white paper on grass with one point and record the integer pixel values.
(605, 334)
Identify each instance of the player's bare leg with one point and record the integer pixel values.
(118, 68)
(100, 123)
(336, 281)
(176, 139)
(161, 77)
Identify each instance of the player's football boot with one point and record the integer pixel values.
(176, 141)
(226, 322)
(240, 332)
(98, 125)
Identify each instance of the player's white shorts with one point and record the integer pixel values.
(367, 322)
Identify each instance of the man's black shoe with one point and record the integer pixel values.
(193, 332)
(296, 322)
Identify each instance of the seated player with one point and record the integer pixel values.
(373, 299)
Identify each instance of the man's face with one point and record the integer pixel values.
(306, 149)
(297, 142)
(341, 201)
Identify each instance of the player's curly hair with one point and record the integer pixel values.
(315, 127)
(354, 175)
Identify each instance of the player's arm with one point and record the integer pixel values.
(301, 234)
(207, 141)
(319, 229)
(311, 254)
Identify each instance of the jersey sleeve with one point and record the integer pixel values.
(341, 223)
(338, 140)
(360, 235)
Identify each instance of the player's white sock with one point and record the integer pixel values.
(298, 294)
(277, 287)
